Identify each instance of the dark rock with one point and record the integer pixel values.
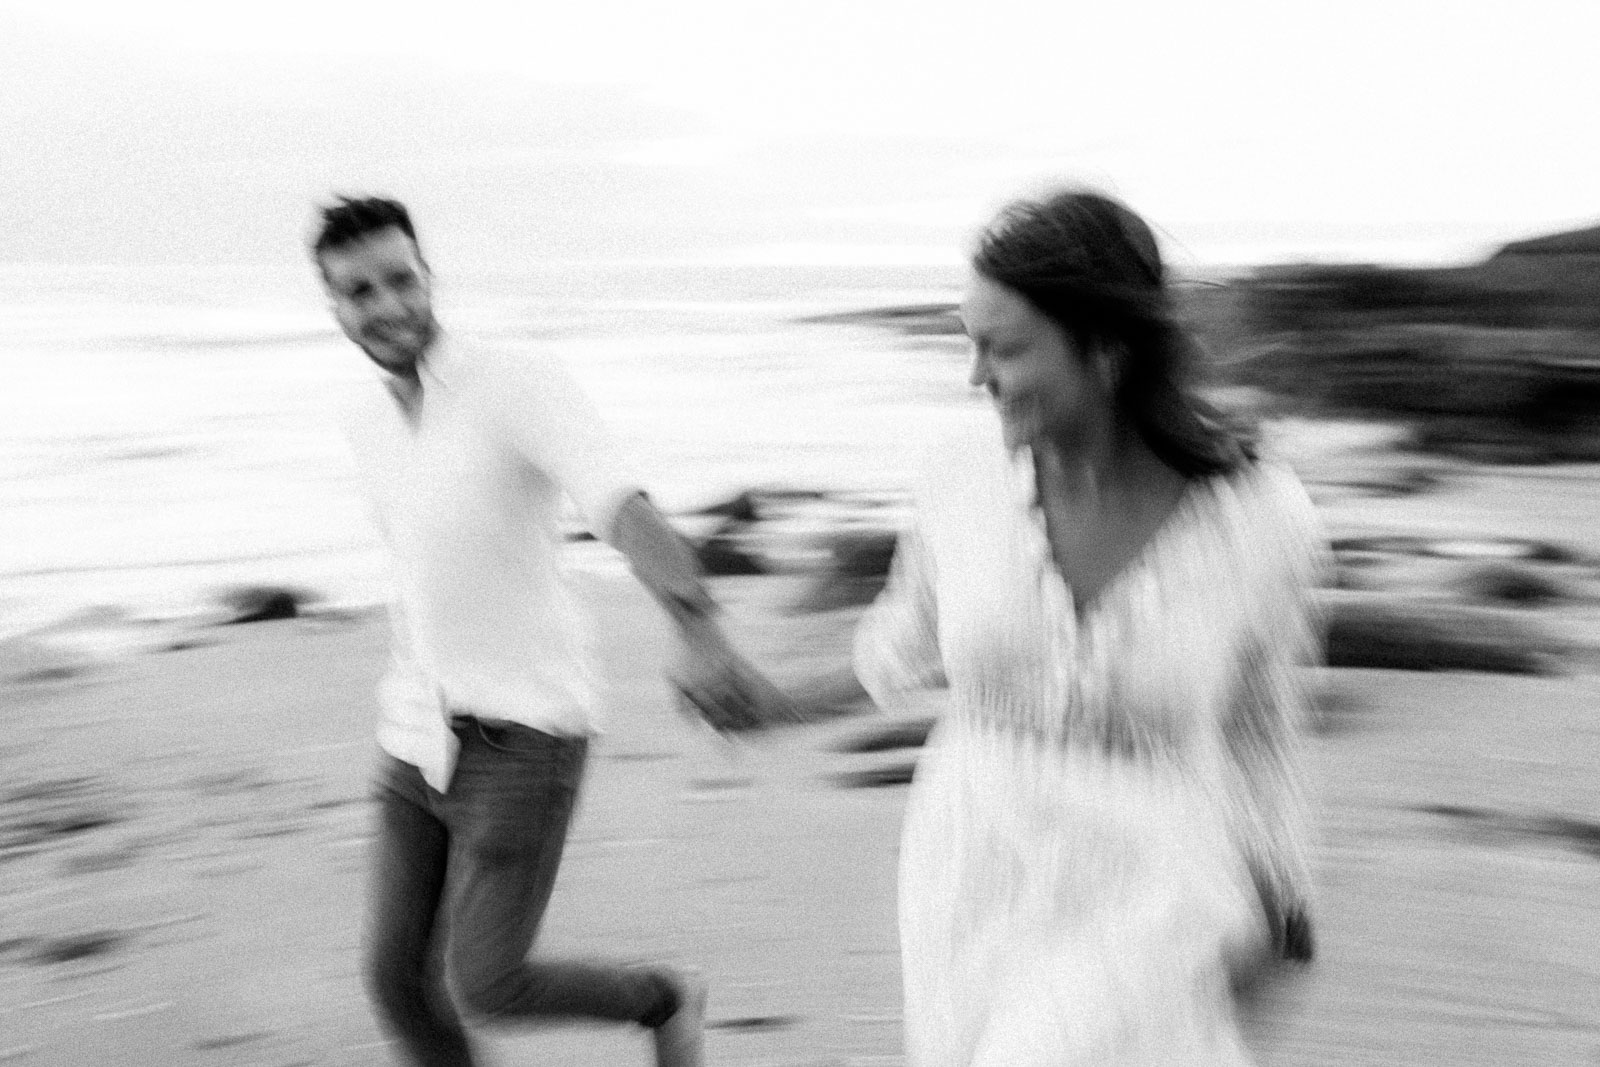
(834, 592)
(753, 1023)
(230, 1041)
(1409, 481)
(52, 789)
(77, 947)
(1506, 827)
(1505, 441)
(1505, 583)
(32, 659)
(1393, 634)
(1457, 811)
(1502, 547)
(111, 859)
(17, 945)
(1581, 834)
(1354, 573)
(1495, 362)
(1335, 711)
(1583, 242)
(878, 777)
(1498, 548)
(723, 556)
(1405, 545)
(741, 508)
(760, 504)
(42, 813)
(864, 553)
(858, 567)
(909, 734)
(48, 674)
(263, 603)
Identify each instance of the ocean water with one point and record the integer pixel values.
(165, 433)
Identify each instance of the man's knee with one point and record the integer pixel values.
(395, 969)
(487, 988)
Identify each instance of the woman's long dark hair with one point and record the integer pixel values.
(1093, 267)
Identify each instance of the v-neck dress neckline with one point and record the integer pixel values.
(1185, 516)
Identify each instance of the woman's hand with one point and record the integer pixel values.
(1288, 923)
(1297, 943)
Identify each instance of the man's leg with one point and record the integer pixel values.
(509, 808)
(404, 960)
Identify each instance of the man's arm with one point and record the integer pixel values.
(721, 686)
(557, 428)
(728, 692)
(662, 560)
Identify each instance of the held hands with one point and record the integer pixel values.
(715, 683)
(718, 685)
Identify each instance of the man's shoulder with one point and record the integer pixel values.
(475, 358)
(358, 404)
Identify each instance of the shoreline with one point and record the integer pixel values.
(1365, 483)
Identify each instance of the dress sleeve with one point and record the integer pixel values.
(1267, 711)
(897, 641)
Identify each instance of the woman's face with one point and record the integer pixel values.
(1043, 385)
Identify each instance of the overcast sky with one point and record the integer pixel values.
(852, 130)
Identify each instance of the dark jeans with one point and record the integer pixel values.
(460, 885)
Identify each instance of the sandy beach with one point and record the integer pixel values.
(184, 829)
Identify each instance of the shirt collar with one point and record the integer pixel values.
(437, 366)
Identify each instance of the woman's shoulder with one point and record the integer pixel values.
(1277, 517)
(1267, 488)
(1282, 485)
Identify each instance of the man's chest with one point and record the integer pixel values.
(439, 466)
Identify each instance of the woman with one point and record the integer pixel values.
(1104, 835)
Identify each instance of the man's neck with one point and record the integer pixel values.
(406, 390)
(406, 386)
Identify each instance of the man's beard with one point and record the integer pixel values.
(400, 351)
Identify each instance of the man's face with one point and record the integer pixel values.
(382, 295)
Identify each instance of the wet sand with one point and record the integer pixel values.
(183, 836)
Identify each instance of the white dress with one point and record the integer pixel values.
(1076, 869)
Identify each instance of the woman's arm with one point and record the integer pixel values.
(1267, 714)
(896, 648)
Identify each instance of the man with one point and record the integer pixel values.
(486, 711)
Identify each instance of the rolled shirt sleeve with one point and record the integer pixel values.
(558, 428)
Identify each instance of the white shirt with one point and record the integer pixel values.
(467, 494)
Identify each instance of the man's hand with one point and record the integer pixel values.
(724, 688)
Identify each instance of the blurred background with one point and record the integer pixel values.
(743, 225)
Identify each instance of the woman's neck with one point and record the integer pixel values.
(1116, 465)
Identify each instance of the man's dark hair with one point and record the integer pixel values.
(353, 218)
